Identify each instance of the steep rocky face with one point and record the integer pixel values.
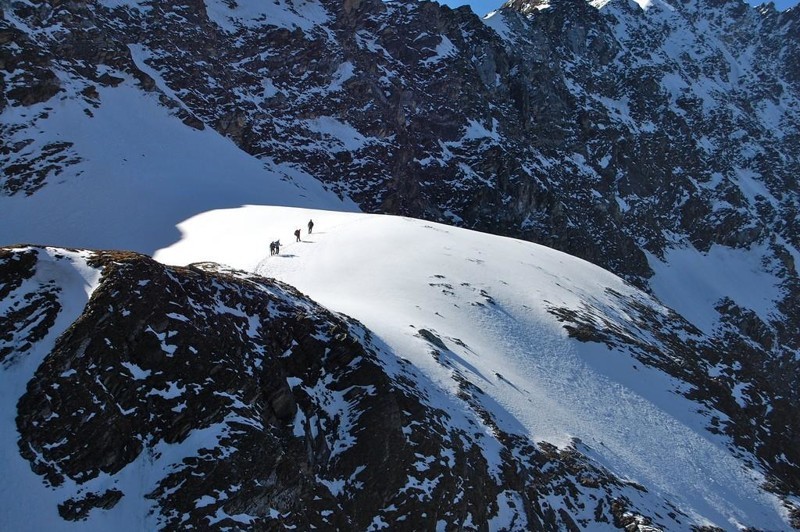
(679, 113)
(604, 130)
(230, 400)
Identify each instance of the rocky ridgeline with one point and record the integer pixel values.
(233, 401)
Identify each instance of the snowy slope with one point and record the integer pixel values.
(36, 510)
(487, 299)
(140, 172)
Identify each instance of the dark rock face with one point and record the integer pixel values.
(240, 403)
(602, 132)
(31, 310)
(160, 355)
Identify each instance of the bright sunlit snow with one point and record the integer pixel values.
(487, 297)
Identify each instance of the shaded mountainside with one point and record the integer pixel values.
(605, 131)
(202, 396)
(615, 133)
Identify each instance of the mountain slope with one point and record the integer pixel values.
(203, 397)
(453, 363)
(656, 140)
(469, 306)
(137, 172)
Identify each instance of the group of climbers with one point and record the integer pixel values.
(275, 247)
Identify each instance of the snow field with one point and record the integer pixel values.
(693, 283)
(140, 176)
(487, 298)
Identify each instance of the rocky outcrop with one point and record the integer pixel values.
(29, 315)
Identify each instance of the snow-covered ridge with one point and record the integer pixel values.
(486, 301)
(478, 323)
(178, 394)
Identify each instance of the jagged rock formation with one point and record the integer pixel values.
(234, 401)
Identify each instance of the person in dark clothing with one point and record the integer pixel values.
(297, 234)
(310, 226)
